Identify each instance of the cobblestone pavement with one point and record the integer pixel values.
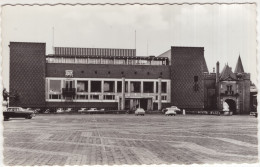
(128, 139)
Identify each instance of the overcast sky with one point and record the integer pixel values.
(225, 31)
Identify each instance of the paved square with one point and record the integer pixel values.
(128, 139)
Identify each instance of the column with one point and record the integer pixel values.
(159, 93)
(123, 94)
(89, 89)
(102, 90)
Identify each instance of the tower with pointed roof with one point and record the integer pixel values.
(234, 89)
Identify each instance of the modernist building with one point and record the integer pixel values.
(118, 79)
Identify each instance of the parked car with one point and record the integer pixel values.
(170, 112)
(175, 108)
(83, 110)
(92, 109)
(17, 112)
(59, 110)
(139, 111)
(68, 110)
(253, 114)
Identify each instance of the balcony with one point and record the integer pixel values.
(229, 93)
(68, 92)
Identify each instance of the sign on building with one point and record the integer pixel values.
(68, 73)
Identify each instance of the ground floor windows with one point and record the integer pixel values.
(103, 89)
(94, 97)
(109, 97)
(82, 97)
(53, 96)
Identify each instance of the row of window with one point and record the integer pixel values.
(108, 86)
(106, 61)
(93, 97)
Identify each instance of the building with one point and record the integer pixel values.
(118, 79)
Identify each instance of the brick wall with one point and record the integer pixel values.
(187, 62)
(108, 71)
(27, 74)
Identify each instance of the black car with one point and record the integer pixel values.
(18, 112)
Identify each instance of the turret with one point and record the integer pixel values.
(217, 73)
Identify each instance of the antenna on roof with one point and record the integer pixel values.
(147, 47)
(53, 40)
(135, 39)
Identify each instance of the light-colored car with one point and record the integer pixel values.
(139, 111)
(175, 108)
(68, 110)
(170, 112)
(18, 112)
(92, 109)
(82, 110)
(253, 114)
(59, 110)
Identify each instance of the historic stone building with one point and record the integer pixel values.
(118, 79)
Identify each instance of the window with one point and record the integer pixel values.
(95, 86)
(135, 87)
(69, 60)
(82, 86)
(164, 97)
(109, 97)
(94, 97)
(196, 78)
(148, 87)
(55, 86)
(229, 90)
(126, 86)
(119, 86)
(82, 97)
(120, 61)
(109, 86)
(107, 61)
(52, 96)
(164, 87)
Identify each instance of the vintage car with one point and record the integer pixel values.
(139, 111)
(95, 111)
(18, 112)
(59, 110)
(69, 110)
(83, 110)
(170, 112)
(253, 114)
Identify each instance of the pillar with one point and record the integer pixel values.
(123, 94)
(159, 93)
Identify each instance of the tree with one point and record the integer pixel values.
(5, 94)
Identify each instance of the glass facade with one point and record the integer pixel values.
(98, 90)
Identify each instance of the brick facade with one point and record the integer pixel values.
(186, 64)
(192, 87)
(27, 74)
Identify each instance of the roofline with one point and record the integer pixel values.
(86, 56)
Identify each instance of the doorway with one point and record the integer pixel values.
(232, 105)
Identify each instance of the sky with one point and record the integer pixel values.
(225, 31)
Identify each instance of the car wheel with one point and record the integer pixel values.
(28, 117)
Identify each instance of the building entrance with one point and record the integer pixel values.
(232, 105)
(134, 103)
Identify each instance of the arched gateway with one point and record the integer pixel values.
(232, 105)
